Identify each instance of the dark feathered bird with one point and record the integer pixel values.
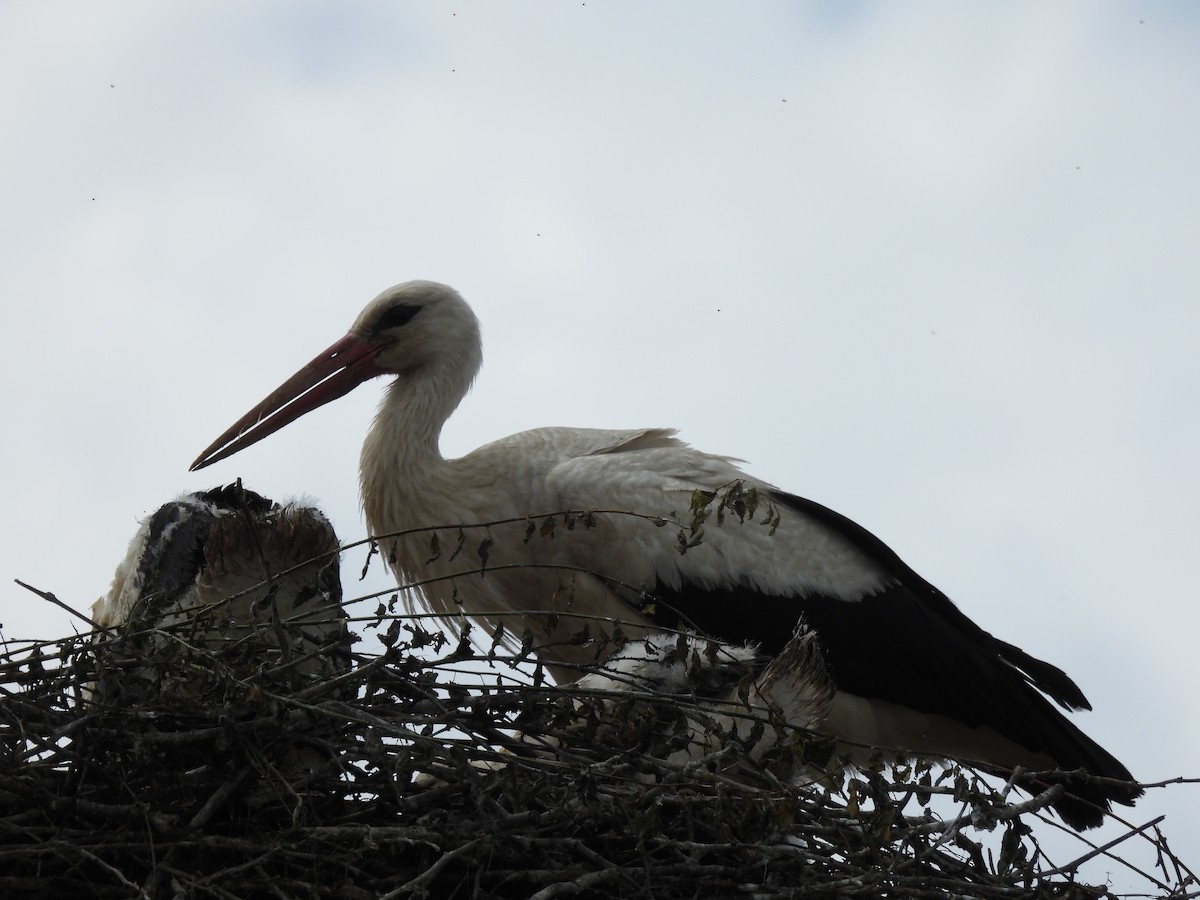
(252, 583)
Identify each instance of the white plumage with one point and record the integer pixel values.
(232, 574)
(910, 670)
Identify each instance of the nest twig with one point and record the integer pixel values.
(414, 775)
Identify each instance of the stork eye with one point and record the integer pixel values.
(397, 315)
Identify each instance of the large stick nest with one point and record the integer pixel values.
(411, 774)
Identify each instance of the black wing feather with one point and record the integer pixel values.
(910, 645)
(932, 603)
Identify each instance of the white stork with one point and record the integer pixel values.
(910, 670)
(229, 571)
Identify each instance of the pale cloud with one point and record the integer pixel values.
(931, 264)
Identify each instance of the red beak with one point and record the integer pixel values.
(334, 373)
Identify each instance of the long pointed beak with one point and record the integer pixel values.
(334, 373)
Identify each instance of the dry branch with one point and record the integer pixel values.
(413, 777)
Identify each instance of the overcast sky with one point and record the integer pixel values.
(932, 264)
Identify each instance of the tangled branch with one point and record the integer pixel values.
(431, 770)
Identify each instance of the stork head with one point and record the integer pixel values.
(419, 325)
(418, 329)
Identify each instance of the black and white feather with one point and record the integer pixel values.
(252, 584)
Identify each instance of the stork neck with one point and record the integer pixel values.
(404, 437)
(401, 457)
